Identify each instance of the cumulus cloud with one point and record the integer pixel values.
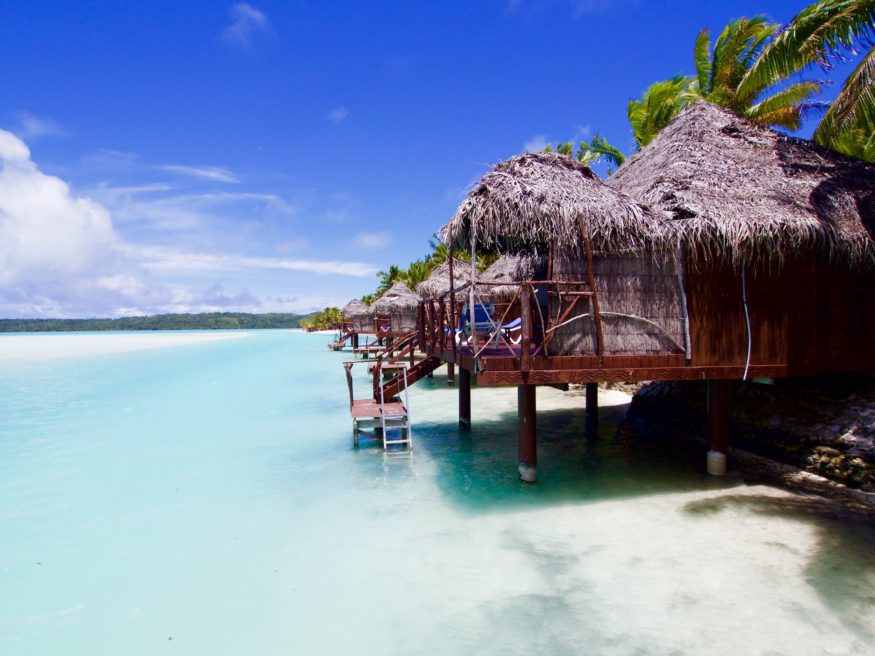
(536, 144)
(338, 114)
(47, 234)
(61, 256)
(246, 23)
(213, 173)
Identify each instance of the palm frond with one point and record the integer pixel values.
(702, 56)
(793, 96)
(599, 149)
(855, 103)
(818, 34)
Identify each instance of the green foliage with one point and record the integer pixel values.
(388, 278)
(323, 320)
(588, 153)
(857, 141)
(206, 321)
(723, 76)
(659, 104)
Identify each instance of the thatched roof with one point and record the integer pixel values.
(746, 193)
(398, 298)
(438, 283)
(539, 197)
(510, 269)
(355, 308)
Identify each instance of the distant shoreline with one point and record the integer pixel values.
(158, 322)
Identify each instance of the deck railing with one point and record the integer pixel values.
(440, 332)
(544, 307)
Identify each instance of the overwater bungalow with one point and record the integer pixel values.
(438, 284)
(351, 324)
(722, 250)
(396, 312)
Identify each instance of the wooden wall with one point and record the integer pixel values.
(809, 314)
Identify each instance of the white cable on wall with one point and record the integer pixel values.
(747, 322)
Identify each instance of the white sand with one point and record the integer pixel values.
(44, 347)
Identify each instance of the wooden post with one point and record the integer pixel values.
(526, 328)
(718, 418)
(451, 373)
(528, 434)
(464, 398)
(592, 403)
(355, 340)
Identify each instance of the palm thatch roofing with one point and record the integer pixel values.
(510, 269)
(539, 198)
(355, 308)
(397, 299)
(438, 283)
(745, 193)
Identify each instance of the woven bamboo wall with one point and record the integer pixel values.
(643, 286)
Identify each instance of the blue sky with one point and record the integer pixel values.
(272, 156)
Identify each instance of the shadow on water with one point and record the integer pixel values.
(841, 568)
(477, 469)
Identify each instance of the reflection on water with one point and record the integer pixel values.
(209, 499)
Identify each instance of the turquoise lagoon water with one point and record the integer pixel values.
(205, 498)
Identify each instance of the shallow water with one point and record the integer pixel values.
(206, 498)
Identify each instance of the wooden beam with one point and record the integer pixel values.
(551, 376)
(528, 434)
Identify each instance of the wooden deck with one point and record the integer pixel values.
(500, 367)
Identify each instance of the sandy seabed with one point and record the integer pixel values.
(44, 347)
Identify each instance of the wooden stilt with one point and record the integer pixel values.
(528, 433)
(451, 373)
(464, 398)
(718, 418)
(355, 340)
(592, 403)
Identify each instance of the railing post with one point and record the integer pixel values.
(526, 328)
(442, 333)
(420, 323)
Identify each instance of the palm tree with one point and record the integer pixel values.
(416, 273)
(723, 76)
(388, 278)
(822, 34)
(661, 102)
(599, 149)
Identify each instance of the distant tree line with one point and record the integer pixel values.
(206, 321)
(323, 320)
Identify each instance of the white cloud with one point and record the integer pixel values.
(159, 258)
(61, 256)
(181, 211)
(536, 144)
(46, 232)
(338, 114)
(246, 23)
(372, 240)
(214, 173)
(107, 159)
(33, 127)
